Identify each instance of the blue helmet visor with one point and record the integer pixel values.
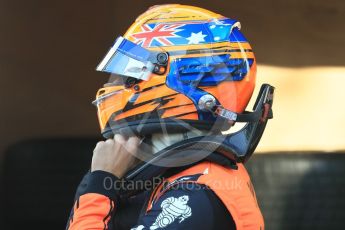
(128, 59)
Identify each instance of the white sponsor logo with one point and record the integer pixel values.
(172, 208)
(140, 227)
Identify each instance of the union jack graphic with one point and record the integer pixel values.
(158, 33)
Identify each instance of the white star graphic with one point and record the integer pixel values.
(217, 22)
(196, 38)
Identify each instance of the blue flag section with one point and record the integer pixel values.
(172, 34)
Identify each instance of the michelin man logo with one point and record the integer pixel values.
(140, 227)
(172, 208)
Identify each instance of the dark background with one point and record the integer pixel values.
(49, 50)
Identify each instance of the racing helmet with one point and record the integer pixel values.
(179, 68)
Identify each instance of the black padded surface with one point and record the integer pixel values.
(295, 190)
(300, 191)
(40, 180)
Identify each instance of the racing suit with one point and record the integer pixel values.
(204, 196)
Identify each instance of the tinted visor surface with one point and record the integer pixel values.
(127, 59)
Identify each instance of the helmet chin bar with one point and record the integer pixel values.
(224, 149)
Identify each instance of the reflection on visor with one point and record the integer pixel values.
(127, 59)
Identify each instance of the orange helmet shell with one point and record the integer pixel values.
(208, 57)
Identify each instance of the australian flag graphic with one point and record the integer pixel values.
(173, 34)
